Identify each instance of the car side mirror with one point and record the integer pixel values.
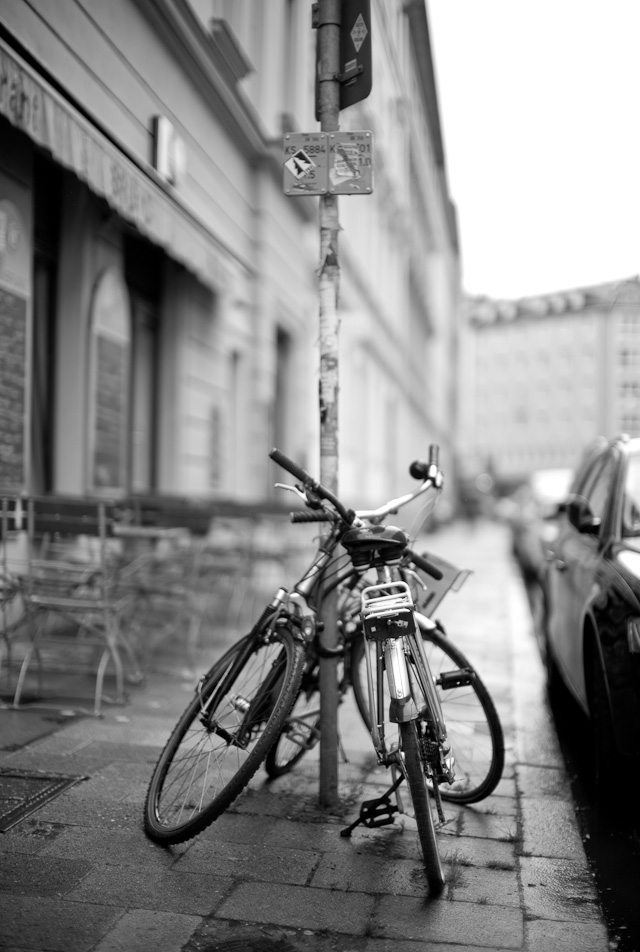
(580, 516)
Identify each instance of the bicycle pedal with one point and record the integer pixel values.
(305, 737)
(456, 679)
(378, 812)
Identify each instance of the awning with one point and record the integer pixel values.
(35, 107)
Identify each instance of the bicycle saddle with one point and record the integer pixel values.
(388, 542)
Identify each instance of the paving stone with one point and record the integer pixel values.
(550, 828)
(370, 874)
(241, 860)
(92, 812)
(494, 827)
(168, 890)
(485, 886)
(474, 851)
(501, 806)
(538, 781)
(112, 847)
(30, 835)
(558, 889)
(324, 837)
(140, 931)
(299, 907)
(40, 875)
(422, 945)
(243, 828)
(54, 925)
(497, 927)
(545, 935)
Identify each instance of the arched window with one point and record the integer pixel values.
(110, 343)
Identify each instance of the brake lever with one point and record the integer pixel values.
(292, 489)
(309, 498)
(415, 575)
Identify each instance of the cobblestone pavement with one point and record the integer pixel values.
(273, 872)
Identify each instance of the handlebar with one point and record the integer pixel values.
(428, 472)
(309, 483)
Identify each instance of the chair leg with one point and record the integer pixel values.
(31, 652)
(23, 673)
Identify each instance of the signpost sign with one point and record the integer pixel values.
(350, 163)
(305, 163)
(328, 163)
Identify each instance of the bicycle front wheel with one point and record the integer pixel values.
(473, 725)
(413, 770)
(223, 735)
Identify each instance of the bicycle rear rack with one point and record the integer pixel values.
(387, 610)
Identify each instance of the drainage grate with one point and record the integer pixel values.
(22, 792)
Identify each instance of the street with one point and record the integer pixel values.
(273, 872)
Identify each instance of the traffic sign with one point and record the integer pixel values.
(350, 163)
(305, 163)
(355, 52)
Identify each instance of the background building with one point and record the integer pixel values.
(544, 376)
(158, 304)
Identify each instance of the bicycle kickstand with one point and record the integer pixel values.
(378, 812)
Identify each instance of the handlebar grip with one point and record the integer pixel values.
(310, 517)
(419, 469)
(278, 457)
(425, 565)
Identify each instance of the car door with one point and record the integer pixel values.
(573, 575)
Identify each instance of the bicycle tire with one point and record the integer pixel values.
(214, 751)
(473, 724)
(413, 770)
(301, 729)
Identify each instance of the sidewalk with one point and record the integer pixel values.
(273, 872)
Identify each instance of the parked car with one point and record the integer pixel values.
(592, 591)
(531, 513)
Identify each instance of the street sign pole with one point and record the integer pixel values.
(328, 25)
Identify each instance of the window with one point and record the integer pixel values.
(143, 273)
(597, 487)
(631, 508)
(282, 392)
(46, 200)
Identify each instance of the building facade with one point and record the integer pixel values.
(159, 313)
(545, 376)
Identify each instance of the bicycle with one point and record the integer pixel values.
(473, 723)
(242, 703)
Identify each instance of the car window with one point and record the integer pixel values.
(596, 488)
(631, 506)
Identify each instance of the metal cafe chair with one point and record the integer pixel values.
(12, 516)
(73, 598)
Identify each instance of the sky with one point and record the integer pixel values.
(540, 112)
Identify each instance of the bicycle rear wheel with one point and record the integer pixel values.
(301, 729)
(223, 735)
(413, 770)
(473, 724)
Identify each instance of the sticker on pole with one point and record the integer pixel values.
(351, 163)
(305, 163)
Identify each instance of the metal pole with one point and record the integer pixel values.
(329, 18)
